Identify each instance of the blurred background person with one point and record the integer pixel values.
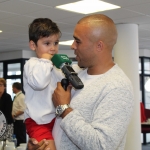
(18, 113)
(6, 109)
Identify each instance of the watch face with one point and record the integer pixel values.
(58, 110)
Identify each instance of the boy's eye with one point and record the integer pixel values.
(47, 43)
(56, 43)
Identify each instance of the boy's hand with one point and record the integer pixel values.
(33, 144)
(47, 56)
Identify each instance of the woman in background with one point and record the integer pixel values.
(6, 109)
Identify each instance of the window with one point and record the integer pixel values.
(147, 91)
(144, 71)
(146, 66)
(9, 86)
(1, 70)
(14, 69)
(140, 71)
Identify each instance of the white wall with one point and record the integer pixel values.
(10, 55)
(28, 53)
(70, 53)
(144, 52)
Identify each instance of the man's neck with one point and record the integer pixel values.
(17, 92)
(100, 69)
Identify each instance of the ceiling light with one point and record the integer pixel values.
(88, 6)
(1, 31)
(66, 42)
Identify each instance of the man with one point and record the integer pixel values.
(18, 113)
(97, 116)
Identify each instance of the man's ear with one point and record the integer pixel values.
(32, 45)
(100, 46)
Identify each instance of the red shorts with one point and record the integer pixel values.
(39, 132)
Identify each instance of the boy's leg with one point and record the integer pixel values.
(39, 132)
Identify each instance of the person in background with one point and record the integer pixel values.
(40, 79)
(96, 117)
(6, 109)
(18, 113)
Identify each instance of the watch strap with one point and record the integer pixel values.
(61, 108)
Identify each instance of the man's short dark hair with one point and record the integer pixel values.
(17, 85)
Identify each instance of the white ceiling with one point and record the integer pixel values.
(16, 15)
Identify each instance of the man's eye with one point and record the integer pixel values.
(77, 41)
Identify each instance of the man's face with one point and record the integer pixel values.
(47, 45)
(13, 89)
(83, 46)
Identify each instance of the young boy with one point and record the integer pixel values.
(40, 79)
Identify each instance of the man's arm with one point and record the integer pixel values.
(108, 124)
(18, 113)
(33, 144)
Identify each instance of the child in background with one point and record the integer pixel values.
(40, 80)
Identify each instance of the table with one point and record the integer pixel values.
(145, 125)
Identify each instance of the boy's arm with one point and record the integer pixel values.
(37, 73)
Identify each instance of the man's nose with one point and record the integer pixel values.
(73, 45)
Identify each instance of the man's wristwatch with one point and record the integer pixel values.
(61, 108)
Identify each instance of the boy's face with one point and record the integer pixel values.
(46, 45)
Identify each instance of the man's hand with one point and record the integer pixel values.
(33, 144)
(13, 116)
(60, 96)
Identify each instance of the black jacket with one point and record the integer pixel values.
(6, 107)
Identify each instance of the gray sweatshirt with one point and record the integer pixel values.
(101, 113)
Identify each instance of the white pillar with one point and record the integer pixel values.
(126, 55)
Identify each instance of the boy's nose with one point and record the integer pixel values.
(52, 47)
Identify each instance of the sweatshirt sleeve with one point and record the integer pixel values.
(38, 72)
(108, 124)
